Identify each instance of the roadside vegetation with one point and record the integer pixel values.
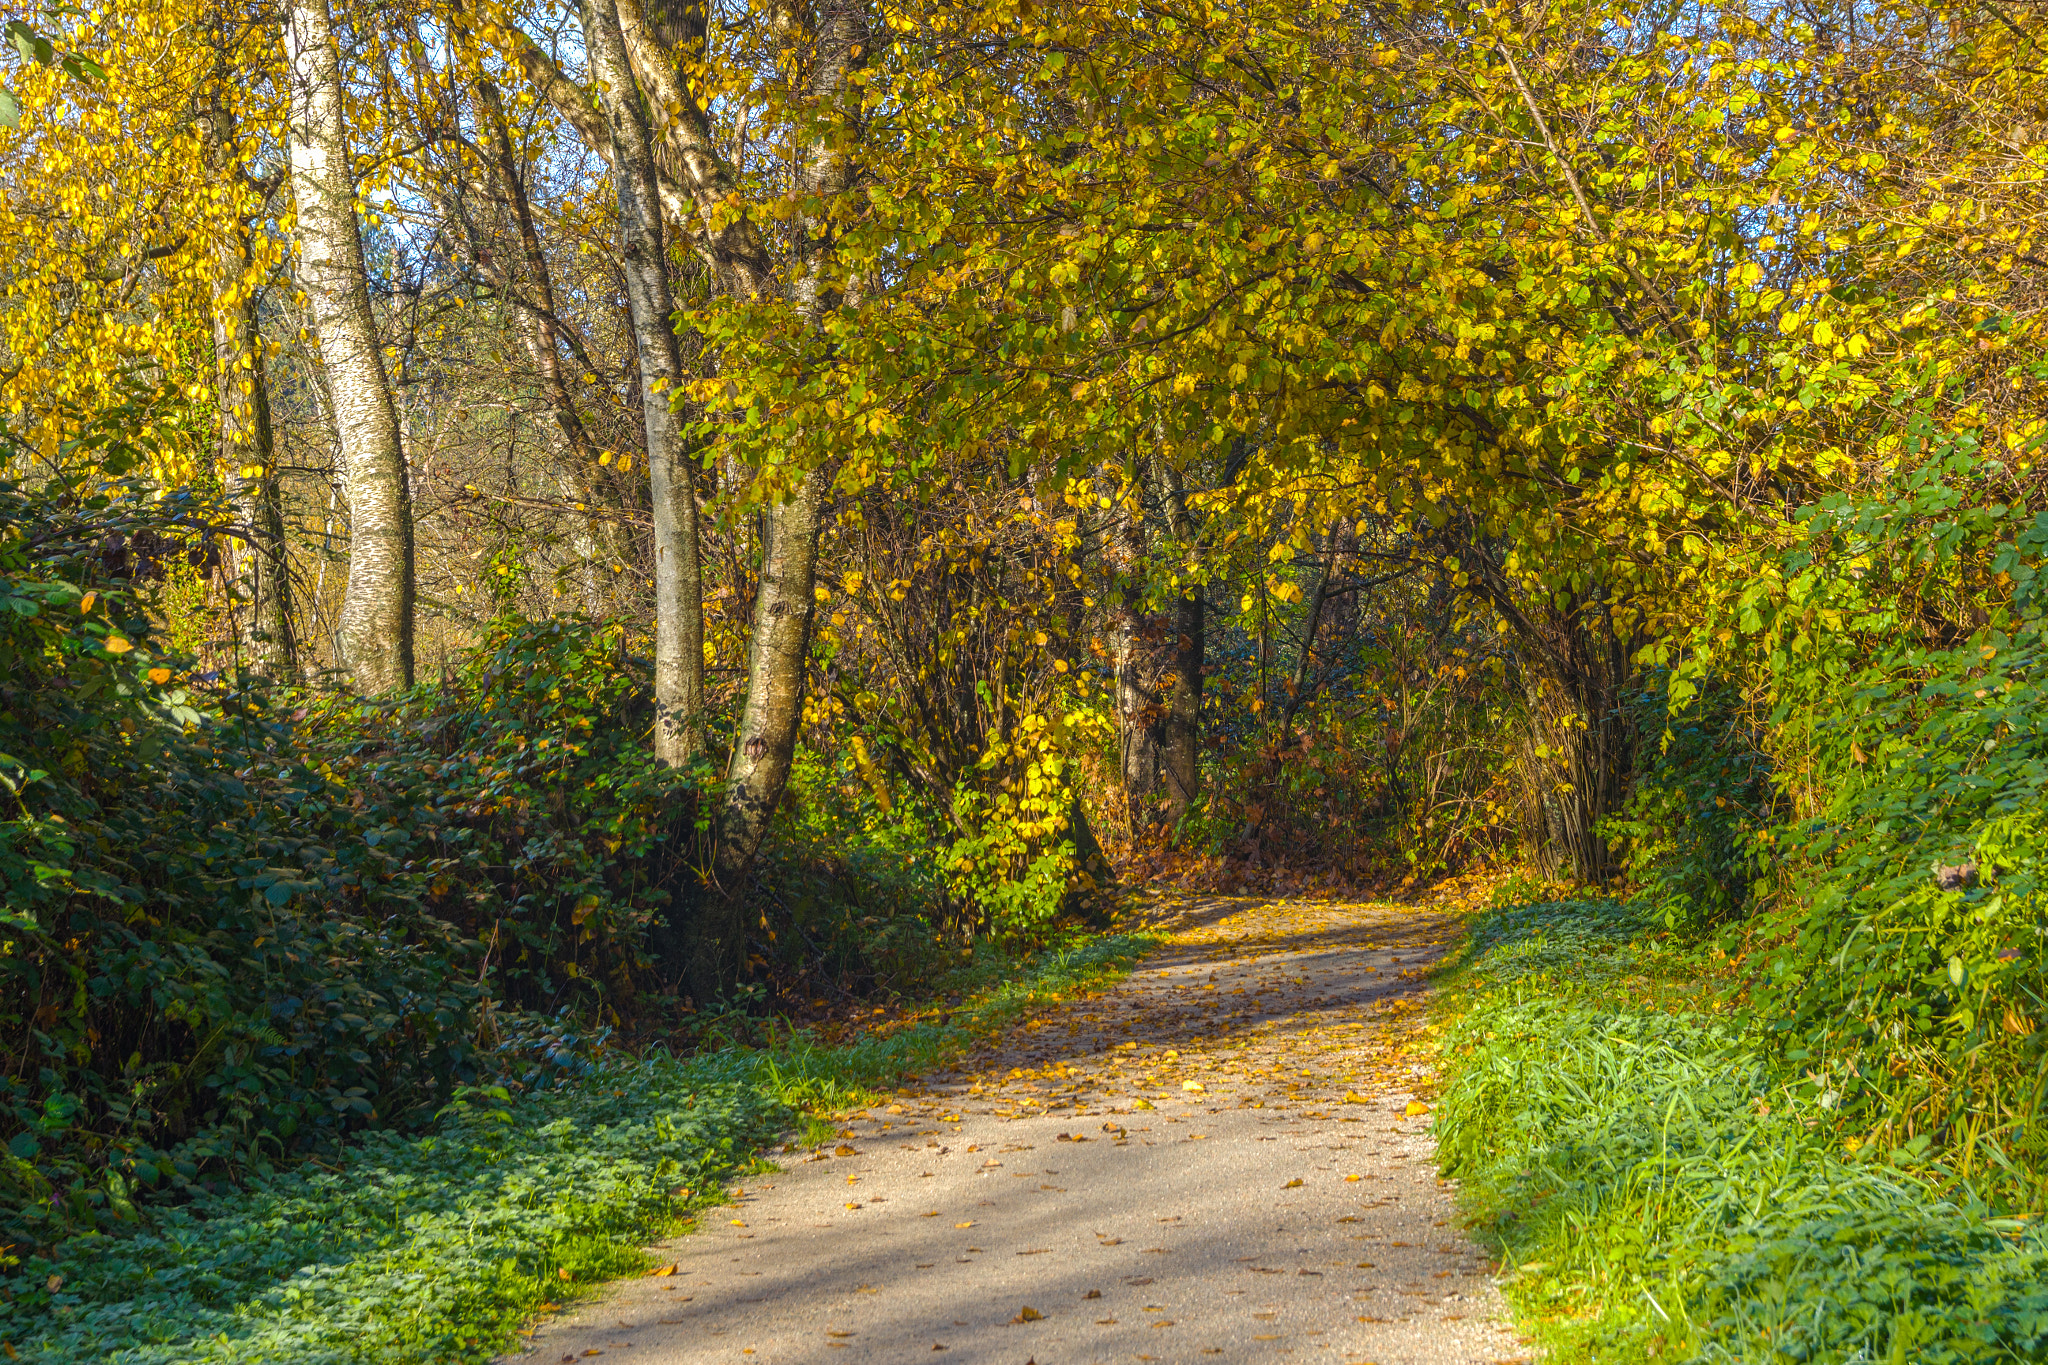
(546, 548)
(1660, 1183)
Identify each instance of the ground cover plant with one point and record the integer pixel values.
(436, 1246)
(1659, 1184)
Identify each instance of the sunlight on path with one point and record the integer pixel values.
(1222, 1158)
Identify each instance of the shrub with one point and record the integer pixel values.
(1665, 1188)
(233, 934)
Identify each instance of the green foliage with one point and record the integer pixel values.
(233, 935)
(1692, 832)
(872, 851)
(1910, 675)
(420, 1249)
(171, 1002)
(524, 784)
(434, 1248)
(1666, 1189)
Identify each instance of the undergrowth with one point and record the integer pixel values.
(435, 1248)
(1660, 1186)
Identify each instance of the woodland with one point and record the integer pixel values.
(530, 531)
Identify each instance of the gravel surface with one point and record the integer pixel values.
(1221, 1158)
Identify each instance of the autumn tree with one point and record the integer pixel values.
(376, 633)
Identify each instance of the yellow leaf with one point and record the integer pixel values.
(1193, 1087)
(115, 644)
(1028, 1314)
(1417, 1107)
(1293, 1184)
(159, 676)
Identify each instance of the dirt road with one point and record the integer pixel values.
(1220, 1159)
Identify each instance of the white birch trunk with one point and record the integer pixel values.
(678, 569)
(376, 631)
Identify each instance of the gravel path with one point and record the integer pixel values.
(1220, 1159)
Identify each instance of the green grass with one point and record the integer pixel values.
(436, 1248)
(1659, 1189)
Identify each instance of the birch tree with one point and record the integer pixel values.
(678, 573)
(376, 631)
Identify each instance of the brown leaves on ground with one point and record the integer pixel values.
(1296, 1004)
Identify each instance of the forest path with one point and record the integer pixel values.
(1214, 1160)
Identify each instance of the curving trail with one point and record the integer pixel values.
(1212, 1161)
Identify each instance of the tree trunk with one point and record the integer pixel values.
(1180, 756)
(1138, 712)
(376, 632)
(765, 745)
(260, 568)
(678, 570)
(1578, 665)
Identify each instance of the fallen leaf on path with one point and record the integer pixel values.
(1194, 1087)
(1417, 1107)
(1028, 1314)
(968, 1224)
(844, 1149)
(1292, 1184)
(1354, 1177)
(668, 1269)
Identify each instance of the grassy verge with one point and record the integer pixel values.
(1658, 1188)
(436, 1248)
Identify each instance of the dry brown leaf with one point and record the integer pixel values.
(1028, 1314)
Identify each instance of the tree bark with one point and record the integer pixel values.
(689, 156)
(260, 568)
(765, 745)
(1180, 745)
(376, 631)
(1576, 669)
(678, 568)
(1138, 710)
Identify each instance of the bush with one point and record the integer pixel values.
(1912, 683)
(1692, 835)
(211, 955)
(1667, 1190)
(233, 935)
